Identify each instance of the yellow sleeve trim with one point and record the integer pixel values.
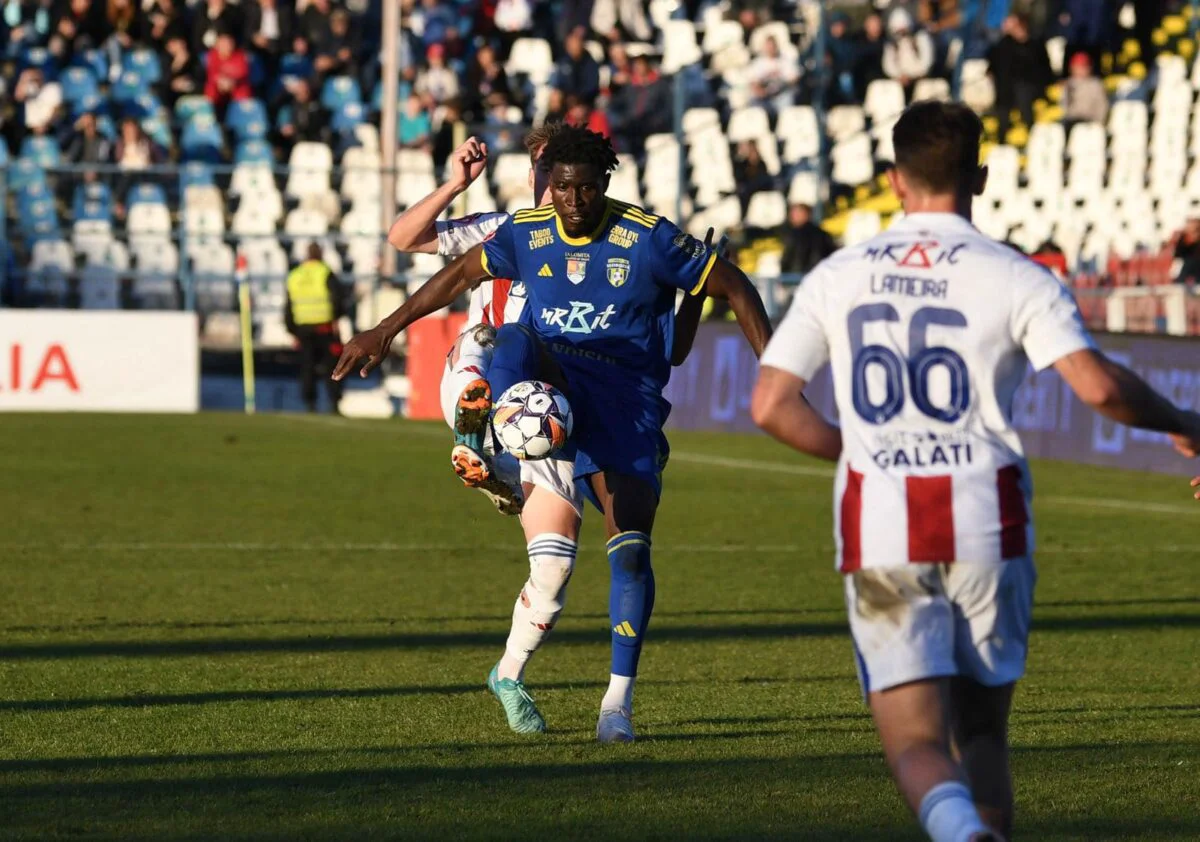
(483, 261)
(712, 259)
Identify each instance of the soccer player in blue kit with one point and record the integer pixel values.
(601, 278)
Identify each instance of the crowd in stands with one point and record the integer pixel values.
(131, 84)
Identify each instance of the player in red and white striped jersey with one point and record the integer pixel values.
(930, 328)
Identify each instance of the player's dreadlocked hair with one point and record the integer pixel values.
(575, 145)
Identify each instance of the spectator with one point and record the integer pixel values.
(909, 53)
(772, 77)
(134, 152)
(1050, 255)
(617, 18)
(750, 172)
(1084, 99)
(641, 108)
(163, 21)
(181, 71)
(23, 24)
(1087, 25)
(302, 119)
(840, 54)
(556, 106)
(805, 244)
(513, 19)
(314, 26)
(587, 116)
(215, 17)
(502, 134)
(620, 71)
(1020, 71)
(868, 59)
(338, 56)
(1148, 14)
(88, 146)
(78, 25)
(127, 23)
(485, 77)
(269, 29)
(577, 72)
(228, 73)
(437, 83)
(416, 128)
(435, 19)
(1185, 246)
(41, 102)
(943, 20)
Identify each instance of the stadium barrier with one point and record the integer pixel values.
(67, 361)
(711, 391)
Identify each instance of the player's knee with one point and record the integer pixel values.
(551, 562)
(629, 556)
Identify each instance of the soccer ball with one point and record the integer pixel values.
(532, 420)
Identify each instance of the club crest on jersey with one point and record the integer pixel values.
(686, 242)
(577, 263)
(618, 271)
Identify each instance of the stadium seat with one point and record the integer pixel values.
(145, 193)
(884, 99)
(531, 57)
(212, 275)
(767, 209)
(256, 151)
(78, 84)
(200, 196)
(844, 122)
(748, 124)
(420, 162)
(623, 186)
(41, 150)
(412, 187)
(804, 189)
(92, 201)
(881, 131)
(511, 176)
(800, 132)
(305, 222)
(129, 86)
(95, 60)
(148, 222)
(201, 139)
(204, 224)
(931, 88)
(247, 119)
(309, 165)
(155, 279)
(346, 119)
(339, 90)
(782, 35)
(721, 34)
(1087, 140)
(361, 185)
(1004, 168)
(861, 225)
(266, 262)
(977, 90)
(679, 45)
(250, 220)
(91, 238)
(192, 105)
(852, 161)
(145, 64)
(51, 264)
(99, 288)
(479, 197)
(698, 119)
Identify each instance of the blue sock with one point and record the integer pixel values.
(630, 598)
(515, 358)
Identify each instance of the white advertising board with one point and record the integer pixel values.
(112, 361)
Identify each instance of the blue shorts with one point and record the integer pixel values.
(617, 428)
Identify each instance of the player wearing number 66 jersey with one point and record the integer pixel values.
(929, 329)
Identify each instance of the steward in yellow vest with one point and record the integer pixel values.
(314, 304)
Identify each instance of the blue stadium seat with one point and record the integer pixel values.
(95, 60)
(129, 86)
(254, 151)
(201, 139)
(90, 104)
(78, 84)
(144, 107)
(92, 202)
(158, 129)
(3, 154)
(146, 193)
(145, 63)
(247, 119)
(284, 117)
(41, 59)
(292, 67)
(30, 194)
(39, 222)
(347, 118)
(196, 174)
(338, 91)
(187, 107)
(41, 150)
(23, 172)
(106, 126)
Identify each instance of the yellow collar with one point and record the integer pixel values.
(585, 240)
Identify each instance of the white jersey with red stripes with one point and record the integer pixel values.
(493, 302)
(929, 328)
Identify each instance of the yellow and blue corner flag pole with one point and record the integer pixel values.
(247, 333)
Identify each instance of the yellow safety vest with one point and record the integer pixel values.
(308, 289)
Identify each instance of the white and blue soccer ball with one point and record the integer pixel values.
(532, 420)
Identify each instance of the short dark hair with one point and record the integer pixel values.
(539, 137)
(937, 145)
(575, 145)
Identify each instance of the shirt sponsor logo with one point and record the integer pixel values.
(579, 319)
(618, 271)
(922, 254)
(539, 237)
(623, 237)
(577, 264)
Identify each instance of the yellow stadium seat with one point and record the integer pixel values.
(1054, 92)
(1174, 25)
(991, 125)
(1186, 49)
(1160, 37)
(1111, 83)
(1130, 48)
(1137, 70)
(861, 192)
(1018, 136)
(1053, 114)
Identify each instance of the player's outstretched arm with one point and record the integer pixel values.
(1196, 485)
(780, 409)
(1117, 393)
(463, 274)
(415, 230)
(730, 283)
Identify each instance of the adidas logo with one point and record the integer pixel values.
(624, 629)
(545, 272)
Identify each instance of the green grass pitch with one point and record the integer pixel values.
(221, 627)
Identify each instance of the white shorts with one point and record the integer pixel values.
(933, 620)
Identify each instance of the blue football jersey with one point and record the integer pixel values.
(603, 303)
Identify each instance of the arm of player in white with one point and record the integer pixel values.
(796, 352)
(416, 229)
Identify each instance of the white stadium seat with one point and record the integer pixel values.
(844, 122)
(884, 99)
(748, 124)
(155, 277)
(800, 132)
(679, 45)
(50, 266)
(931, 88)
(531, 57)
(861, 225)
(767, 209)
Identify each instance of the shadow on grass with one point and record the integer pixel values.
(413, 640)
(216, 697)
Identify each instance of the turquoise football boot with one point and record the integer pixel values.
(522, 713)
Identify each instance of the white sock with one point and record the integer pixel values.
(948, 813)
(551, 560)
(619, 693)
(473, 355)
